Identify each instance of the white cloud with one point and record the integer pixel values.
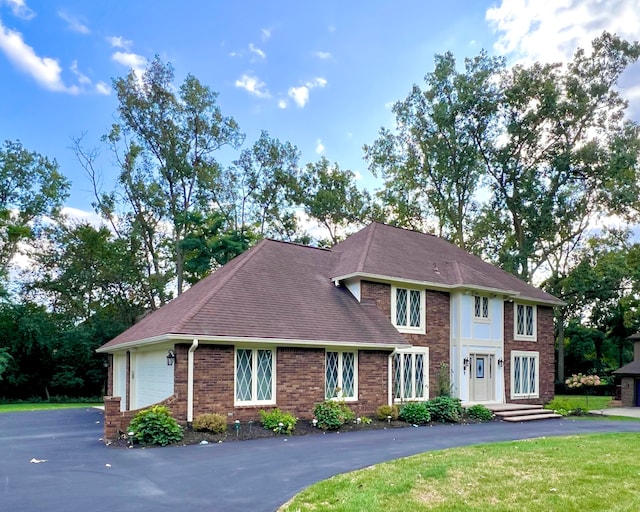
(357, 176)
(253, 85)
(300, 95)
(323, 55)
(82, 78)
(282, 103)
(20, 9)
(266, 34)
(531, 30)
(44, 70)
(257, 51)
(319, 147)
(119, 42)
(103, 88)
(74, 23)
(131, 60)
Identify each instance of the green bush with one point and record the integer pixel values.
(561, 406)
(155, 425)
(445, 409)
(479, 412)
(384, 411)
(210, 422)
(415, 413)
(332, 414)
(278, 421)
(444, 380)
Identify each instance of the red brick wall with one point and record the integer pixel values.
(627, 395)
(438, 331)
(544, 345)
(373, 381)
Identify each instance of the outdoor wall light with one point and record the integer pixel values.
(500, 362)
(465, 364)
(171, 358)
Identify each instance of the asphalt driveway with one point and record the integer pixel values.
(81, 474)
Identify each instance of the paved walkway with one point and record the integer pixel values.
(80, 473)
(630, 412)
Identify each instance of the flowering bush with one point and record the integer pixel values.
(580, 380)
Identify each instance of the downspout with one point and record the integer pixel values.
(192, 349)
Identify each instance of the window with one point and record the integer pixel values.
(408, 310)
(525, 322)
(410, 375)
(341, 376)
(254, 376)
(524, 374)
(481, 307)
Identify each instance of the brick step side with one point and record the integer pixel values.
(532, 417)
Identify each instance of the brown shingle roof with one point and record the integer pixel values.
(382, 250)
(632, 369)
(275, 290)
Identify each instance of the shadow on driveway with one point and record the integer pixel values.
(81, 473)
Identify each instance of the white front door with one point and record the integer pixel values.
(482, 377)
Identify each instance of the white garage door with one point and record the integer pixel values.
(152, 378)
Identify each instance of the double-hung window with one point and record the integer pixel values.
(255, 376)
(341, 375)
(408, 309)
(480, 307)
(524, 374)
(410, 375)
(525, 322)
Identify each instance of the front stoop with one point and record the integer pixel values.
(517, 413)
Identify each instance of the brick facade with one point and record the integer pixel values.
(628, 391)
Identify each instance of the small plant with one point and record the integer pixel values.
(415, 413)
(155, 425)
(332, 414)
(444, 380)
(386, 411)
(365, 420)
(210, 422)
(479, 412)
(278, 421)
(445, 409)
(560, 406)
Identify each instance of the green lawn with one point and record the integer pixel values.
(44, 406)
(577, 473)
(586, 403)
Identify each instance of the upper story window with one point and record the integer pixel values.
(525, 322)
(408, 310)
(480, 307)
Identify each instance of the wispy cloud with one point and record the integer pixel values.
(44, 70)
(103, 88)
(319, 147)
(300, 95)
(257, 51)
(20, 9)
(131, 60)
(82, 78)
(253, 85)
(266, 34)
(323, 55)
(282, 103)
(119, 42)
(74, 23)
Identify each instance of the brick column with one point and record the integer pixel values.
(112, 418)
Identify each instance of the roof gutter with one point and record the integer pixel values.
(192, 349)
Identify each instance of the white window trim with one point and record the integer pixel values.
(425, 374)
(525, 353)
(339, 396)
(485, 319)
(423, 311)
(254, 377)
(525, 337)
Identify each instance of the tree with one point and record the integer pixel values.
(330, 196)
(31, 190)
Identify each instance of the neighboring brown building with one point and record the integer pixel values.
(371, 320)
(630, 377)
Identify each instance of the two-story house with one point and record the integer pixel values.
(373, 320)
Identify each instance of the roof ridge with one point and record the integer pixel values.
(248, 255)
(456, 271)
(367, 246)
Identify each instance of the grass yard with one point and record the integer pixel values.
(576, 473)
(43, 406)
(586, 403)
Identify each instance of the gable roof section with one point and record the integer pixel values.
(275, 290)
(395, 253)
(632, 369)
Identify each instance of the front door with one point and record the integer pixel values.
(482, 378)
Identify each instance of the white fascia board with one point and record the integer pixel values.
(391, 279)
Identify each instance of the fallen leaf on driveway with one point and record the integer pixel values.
(37, 461)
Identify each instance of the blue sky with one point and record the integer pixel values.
(321, 75)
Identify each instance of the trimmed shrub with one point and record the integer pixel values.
(210, 422)
(155, 425)
(278, 421)
(415, 413)
(332, 414)
(384, 411)
(479, 412)
(561, 406)
(445, 409)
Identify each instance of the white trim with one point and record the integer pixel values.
(422, 328)
(525, 337)
(190, 374)
(339, 396)
(525, 353)
(254, 376)
(481, 319)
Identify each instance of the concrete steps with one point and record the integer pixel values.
(517, 413)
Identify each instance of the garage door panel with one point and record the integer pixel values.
(153, 378)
